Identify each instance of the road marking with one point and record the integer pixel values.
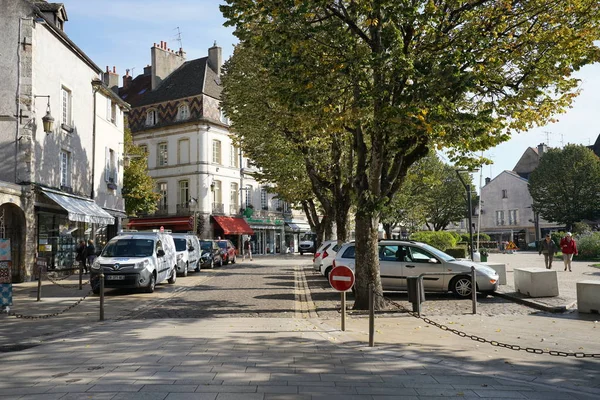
(303, 304)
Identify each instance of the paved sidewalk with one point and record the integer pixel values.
(274, 358)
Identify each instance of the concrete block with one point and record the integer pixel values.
(588, 296)
(536, 282)
(500, 269)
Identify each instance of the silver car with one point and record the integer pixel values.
(400, 259)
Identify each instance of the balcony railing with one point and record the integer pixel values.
(267, 214)
(184, 209)
(218, 208)
(234, 209)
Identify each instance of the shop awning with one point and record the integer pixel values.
(297, 226)
(233, 225)
(175, 223)
(80, 209)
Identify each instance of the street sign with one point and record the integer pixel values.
(341, 278)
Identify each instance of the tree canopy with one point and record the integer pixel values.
(565, 186)
(399, 78)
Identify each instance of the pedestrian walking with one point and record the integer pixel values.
(90, 254)
(548, 248)
(247, 250)
(80, 258)
(568, 248)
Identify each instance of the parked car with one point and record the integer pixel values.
(319, 253)
(228, 252)
(188, 252)
(135, 260)
(210, 254)
(400, 259)
(327, 259)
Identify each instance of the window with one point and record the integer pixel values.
(183, 112)
(151, 119)
(512, 217)
(264, 200)
(111, 111)
(248, 195)
(183, 152)
(184, 193)
(233, 196)
(67, 100)
(223, 117)
(163, 154)
(216, 151)
(504, 194)
(162, 190)
(144, 149)
(499, 218)
(234, 160)
(65, 168)
(110, 168)
(217, 193)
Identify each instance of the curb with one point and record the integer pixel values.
(536, 304)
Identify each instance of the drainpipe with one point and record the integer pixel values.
(92, 194)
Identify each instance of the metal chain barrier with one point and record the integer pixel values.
(64, 277)
(13, 314)
(69, 286)
(491, 342)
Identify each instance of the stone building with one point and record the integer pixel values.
(61, 134)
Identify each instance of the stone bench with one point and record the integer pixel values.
(536, 282)
(500, 269)
(588, 296)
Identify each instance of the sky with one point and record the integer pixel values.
(120, 33)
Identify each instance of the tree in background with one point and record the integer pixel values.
(402, 79)
(138, 187)
(565, 186)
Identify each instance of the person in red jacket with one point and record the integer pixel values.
(568, 248)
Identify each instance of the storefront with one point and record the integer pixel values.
(268, 235)
(232, 228)
(181, 224)
(293, 230)
(64, 219)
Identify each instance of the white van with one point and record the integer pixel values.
(136, 260)
(187, 247)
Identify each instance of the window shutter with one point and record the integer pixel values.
(106, 164)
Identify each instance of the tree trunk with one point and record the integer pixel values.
(367, 263)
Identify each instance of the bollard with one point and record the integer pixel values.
(80, 277)
(39, 291)
(474, 289)
(371, 316)
(343, 311)
(101, 277)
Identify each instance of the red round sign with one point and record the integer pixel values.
(341, 278)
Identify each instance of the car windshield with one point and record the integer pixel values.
(308, 237)
(129, 248)
(222, 245)
(206, 246)
(180, 244)
(438, 253)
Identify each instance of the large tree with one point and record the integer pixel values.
(403, 77)
(138, 187)
(565, 186)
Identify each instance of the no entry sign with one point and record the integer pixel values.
(341, 278)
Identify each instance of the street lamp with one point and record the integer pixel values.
(470, 209)
(194, 201)
(47, 120)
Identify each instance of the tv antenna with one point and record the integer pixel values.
(548, 133)
(178, 37)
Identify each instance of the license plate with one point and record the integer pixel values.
(115, 277)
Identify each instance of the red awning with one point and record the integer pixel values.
(233, 226)
(175, 222)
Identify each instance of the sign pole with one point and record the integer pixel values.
(343, 311)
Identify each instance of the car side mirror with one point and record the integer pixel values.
(433, 261)
(160, 253)
(191, 249)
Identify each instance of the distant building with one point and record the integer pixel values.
(62, 183)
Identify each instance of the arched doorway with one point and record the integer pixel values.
(14, 222)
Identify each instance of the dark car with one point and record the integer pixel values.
(210, 254)
(228, 252)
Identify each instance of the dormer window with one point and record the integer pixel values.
(224, 118)
(151, 118)
(183, 112)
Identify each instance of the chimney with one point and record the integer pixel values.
(127, 79)
(147, 70)
(542, 148)
(164, 62)
(215, 59)
(487, 180)
(111, 79)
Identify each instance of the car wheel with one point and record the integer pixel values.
(173, 277)
(327, 272)
(226, 261)
(234, 260)
(185, 270)
(197, 266)
(301, 253)
(221, 262)
(461, 286)
(151, 285)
